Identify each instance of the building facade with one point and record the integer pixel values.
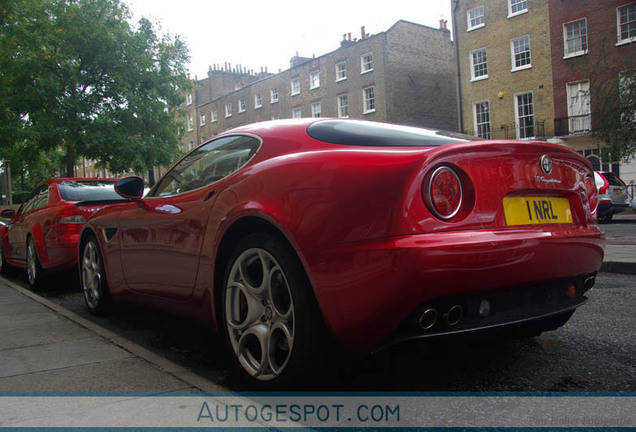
(592, 41)
(404, 75)
(525, 68)
(504, 64)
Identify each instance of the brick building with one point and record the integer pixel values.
(404, 75)
(504, 63)
(591, 40)
(525, 68)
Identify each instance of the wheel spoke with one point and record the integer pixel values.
(253, 350)
(243, 309)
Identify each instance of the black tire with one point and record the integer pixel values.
(282, 311)
(4, 266)
(93, 277)
(35, 274)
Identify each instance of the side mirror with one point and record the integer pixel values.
(130, 188)
(7, 213)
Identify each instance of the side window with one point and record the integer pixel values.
(208, 164)
(36, 199)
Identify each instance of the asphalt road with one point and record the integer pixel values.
(595, 351)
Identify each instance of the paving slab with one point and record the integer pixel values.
(46, 348)
(27, 334)
(125, 375)
(23, 360)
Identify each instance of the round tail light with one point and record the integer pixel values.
(592, 193)
(444, 193)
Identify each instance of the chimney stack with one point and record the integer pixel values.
(364, 34)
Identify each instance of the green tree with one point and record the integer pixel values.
(76, 75)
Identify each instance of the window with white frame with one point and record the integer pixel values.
(189, 99)
(273, 95)
(214, 116)
(343, 106)
(295, 87)
(258, 100)
(481, 115)
(202, 120)
(579, 114)
(366, 63)
(478, 64)
(341, 71)
(475, 18)
(575, 38)
(190, 123)
(296, 113)
(314, 80)
(368, 99)
(316, 109)
(228, 109)
(516, 7)
(524, 115)
(626, 21)
(241, 105)
(520, 53)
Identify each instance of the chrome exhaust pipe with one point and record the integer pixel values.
(428, 319)
(589, 283)
(454, 315)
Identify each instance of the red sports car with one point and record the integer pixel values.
(43, 234)
(279, 232)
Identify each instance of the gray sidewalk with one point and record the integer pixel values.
(46, 348)
(620, 251)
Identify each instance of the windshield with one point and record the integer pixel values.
(88, 190)
(371, 134)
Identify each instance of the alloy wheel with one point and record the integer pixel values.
(32, 263)
(91, 275)
(259, 311)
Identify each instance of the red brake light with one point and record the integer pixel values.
(70, 220)
(592, 193)
(444, 193)
(603, 189)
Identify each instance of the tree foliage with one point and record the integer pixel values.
(76, 75)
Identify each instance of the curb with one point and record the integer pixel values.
(618, 267)
(157, 361)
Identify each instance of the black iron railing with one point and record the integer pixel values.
(526, 130)
(573, 125)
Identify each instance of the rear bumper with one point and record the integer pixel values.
(61, 253)
(367, 290)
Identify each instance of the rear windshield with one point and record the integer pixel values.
(371, 134)
(613, 179)
(88, 190)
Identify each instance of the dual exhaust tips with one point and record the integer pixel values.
(430, 317)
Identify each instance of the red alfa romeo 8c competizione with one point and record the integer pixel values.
(279, 232)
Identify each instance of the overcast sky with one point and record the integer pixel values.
(265, 33)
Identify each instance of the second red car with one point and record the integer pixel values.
(42, 235)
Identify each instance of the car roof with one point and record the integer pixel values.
(352, 132)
